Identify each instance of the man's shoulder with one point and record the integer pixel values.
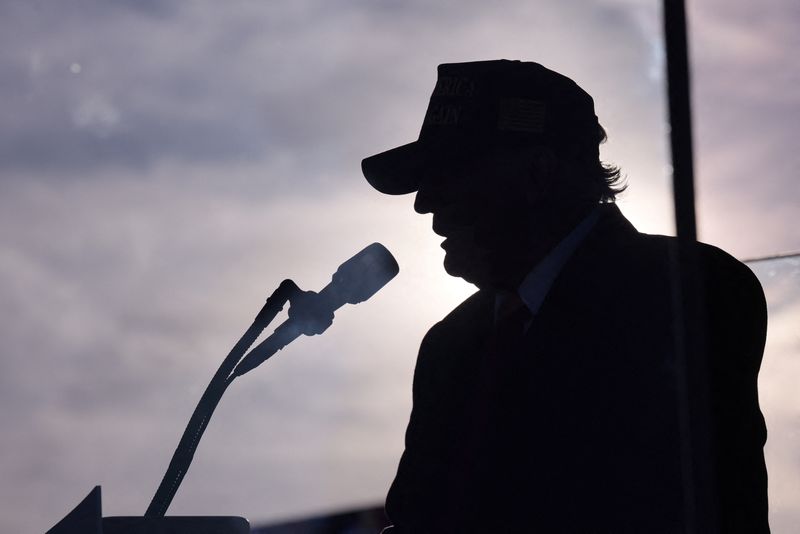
(711, 257)
(474, 309)
(449, 348)
(729, 285)
(732, 290)
(464, 325)
(476, 304)
(718, 267)
(717, 262)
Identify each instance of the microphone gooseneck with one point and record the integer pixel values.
(310, 313)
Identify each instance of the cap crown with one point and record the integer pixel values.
(507, 102)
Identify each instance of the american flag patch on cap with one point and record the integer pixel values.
(521, 115)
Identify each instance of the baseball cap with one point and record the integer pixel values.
(481, 104)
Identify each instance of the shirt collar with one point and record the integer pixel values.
(536, 285)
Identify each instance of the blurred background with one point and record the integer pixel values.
(165, 164)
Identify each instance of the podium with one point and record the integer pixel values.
(87, 518)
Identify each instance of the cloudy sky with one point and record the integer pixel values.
(163, 165)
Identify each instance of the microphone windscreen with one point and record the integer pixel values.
(364, 274)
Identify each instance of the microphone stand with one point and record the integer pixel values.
(87, 518)
(187, 446)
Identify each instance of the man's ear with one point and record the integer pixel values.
(541, 166)
(544, 163)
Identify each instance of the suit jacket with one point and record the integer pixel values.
(573, 425)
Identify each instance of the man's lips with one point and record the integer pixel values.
(457, 237)
(452, 244)
(460, 240)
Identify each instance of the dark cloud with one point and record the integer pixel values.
(202, 83)
(206, 83)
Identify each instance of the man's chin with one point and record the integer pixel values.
(486, 271)
(472, 270)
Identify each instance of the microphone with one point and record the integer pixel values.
(310, 313)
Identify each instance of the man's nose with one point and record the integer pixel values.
(430, 197)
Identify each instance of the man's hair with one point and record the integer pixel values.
(590, 180)
(607, 180)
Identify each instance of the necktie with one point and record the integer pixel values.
(483, 409)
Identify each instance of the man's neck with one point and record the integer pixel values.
(533, 247)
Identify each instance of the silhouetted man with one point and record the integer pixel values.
(549, 400)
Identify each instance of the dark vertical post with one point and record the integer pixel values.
(680, 118)
(688, 294)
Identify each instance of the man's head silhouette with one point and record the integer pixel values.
(507, 161)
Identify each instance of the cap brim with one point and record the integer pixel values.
(397, 171)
